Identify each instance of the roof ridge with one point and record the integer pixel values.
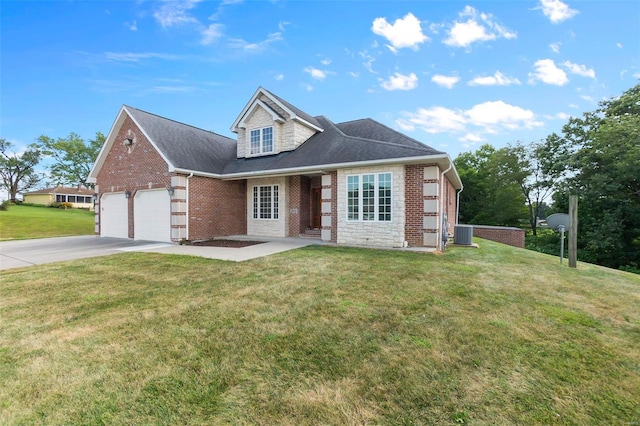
(371, 140)
(178, 122)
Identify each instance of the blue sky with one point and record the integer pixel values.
(452, 74)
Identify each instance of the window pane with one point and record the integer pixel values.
(384, 196)
(275, 201)
(368, 197)
(255, 202)
(353, 183)
(255, 142)
(265, 202)
(267, 139)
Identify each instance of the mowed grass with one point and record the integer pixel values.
(321, 335)
(24, 222)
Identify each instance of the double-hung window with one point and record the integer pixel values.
(262, 141)
(265, 202)
(369, 197)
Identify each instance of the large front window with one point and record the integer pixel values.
(262, 141)
(369, 197)
(265, 202)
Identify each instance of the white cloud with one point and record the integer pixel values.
(307, 87)
(369, 60)
(175, 13)
(636, 75)
(133, 26)
(472, 137)
(581, 70)
(485, 118)
(497, 79)
(405, 32)
(555, 47)
(316, 73)
(400, 82)
(434, 120)
(326, 61)
(354, 74)
(238, 43)
(447, 81)
(619, 45)
(547, 72)
(279, 77)
(496, 114)
(210, 34)
(557, 11)
(478, 27)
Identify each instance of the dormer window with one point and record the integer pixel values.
(262, 141)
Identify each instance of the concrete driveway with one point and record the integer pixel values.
(17, 254)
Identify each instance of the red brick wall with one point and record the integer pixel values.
(506, 235)
(414, 204)
(130, 168)
(216, 208)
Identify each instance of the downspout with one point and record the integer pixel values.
(458, 206)
(441, 204)
(186, 236)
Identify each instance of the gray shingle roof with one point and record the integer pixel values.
(333, 146)
(297, 111)
(191, 148)
(186, 147)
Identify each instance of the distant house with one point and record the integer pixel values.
(78, 197)
(288, 174)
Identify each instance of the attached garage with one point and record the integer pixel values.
(114, 215)
(152, 215)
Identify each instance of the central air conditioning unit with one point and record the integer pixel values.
(463, 235)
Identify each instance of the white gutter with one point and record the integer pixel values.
(186, 232)
(441, 203)
(319, 168)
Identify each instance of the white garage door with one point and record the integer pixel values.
(114, 215)
(152, 215)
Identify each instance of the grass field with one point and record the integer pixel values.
(321, 335)
(23, 222)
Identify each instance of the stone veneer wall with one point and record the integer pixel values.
(329, 207)
(373, 233)
(269, 227)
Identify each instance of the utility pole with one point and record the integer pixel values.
(573, 231)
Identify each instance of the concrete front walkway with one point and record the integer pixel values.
(269, 247)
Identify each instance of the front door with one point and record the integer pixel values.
(316, 211)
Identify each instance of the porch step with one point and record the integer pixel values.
(311, 233)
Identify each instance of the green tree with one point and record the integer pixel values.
(605, 168)
(489, 198)
(536, 169)
(73, 157)
(17, 171)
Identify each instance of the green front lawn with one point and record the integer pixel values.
(321, 335)
(24, 222)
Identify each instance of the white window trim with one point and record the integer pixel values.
(360, 197)
(275, 202)
(261, 150)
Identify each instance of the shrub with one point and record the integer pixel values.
(4, 206)
(64, 205)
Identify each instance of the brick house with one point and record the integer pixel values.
(287, 174)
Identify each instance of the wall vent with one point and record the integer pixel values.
(463, 235)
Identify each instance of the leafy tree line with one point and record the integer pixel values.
(72, 161)
(596, 156)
